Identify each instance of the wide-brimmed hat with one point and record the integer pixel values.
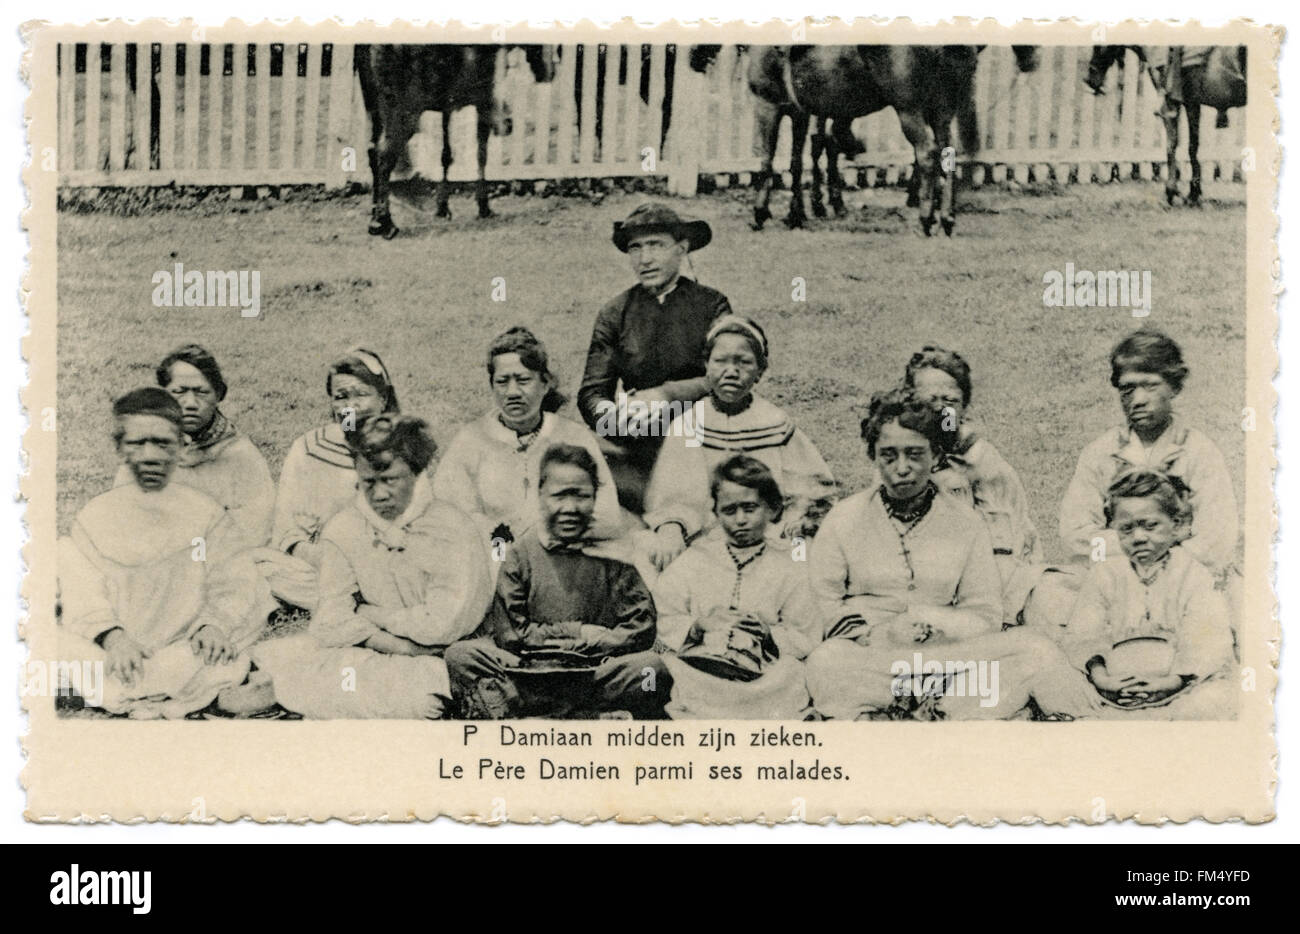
(659, 218)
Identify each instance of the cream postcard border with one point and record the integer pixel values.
(1018, 772)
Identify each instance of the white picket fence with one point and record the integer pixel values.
(292, 114)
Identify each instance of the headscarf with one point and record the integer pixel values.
(366, 366)
(735, 324)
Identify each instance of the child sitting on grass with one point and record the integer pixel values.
(1150, 631)
(736, 613)
(571, 628)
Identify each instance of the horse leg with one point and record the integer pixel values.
(921, 137)
(1103, 56)
(1171, 156)
(444, 187)
(389, 136)
(818, 145)
(1193, 110)
(381, 221)
(772, 130)
(481, 186)
(834, 181)
(947, 180)
(798, 133)
(914, 186)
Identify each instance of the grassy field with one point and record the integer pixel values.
(876, 291)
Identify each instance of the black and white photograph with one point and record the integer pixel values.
(559, 389)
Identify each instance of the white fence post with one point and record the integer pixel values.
(238, 108)
(342, 132)
(94, 78)
(191, 139)
(117, 108)
(216, 104)
(685, 130)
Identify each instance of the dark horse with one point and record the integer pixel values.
(1210, 75)
(926, 85)
(400, 82)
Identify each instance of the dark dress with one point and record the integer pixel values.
(598, 606)
(643, 343)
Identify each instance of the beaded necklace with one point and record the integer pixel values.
(1146, 579)
(741, 564)
(909, 512)
(524, 439)
(906, 519)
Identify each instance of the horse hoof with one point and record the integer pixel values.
(927, 225)
(381, 227)
(840, 210)
(947, 226)
(484, 212)
(444, 211)
(761, 217)
(818, 211)
(793, 222)
(1171, 194)
(391, 232)
(913, 201)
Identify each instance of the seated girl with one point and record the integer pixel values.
(318, 478)
(400, 580)
(571, 630)
(490, 469)
(1147, 370)
(1149, 629)
(974, 470)
(734, 609)
(732, 420)
(216, 458)
(908, 587)
(154, 584)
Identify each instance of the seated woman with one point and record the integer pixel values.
(1149, 629)
(560, 602)
(153, 584)
(318, 478)
(490, 470)
(974, 471)
(1148, 371)
(736, 611)
(216, 459)
(400, 581)
(732, 420)
(908, 586)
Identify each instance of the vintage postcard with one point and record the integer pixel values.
(857, 422)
